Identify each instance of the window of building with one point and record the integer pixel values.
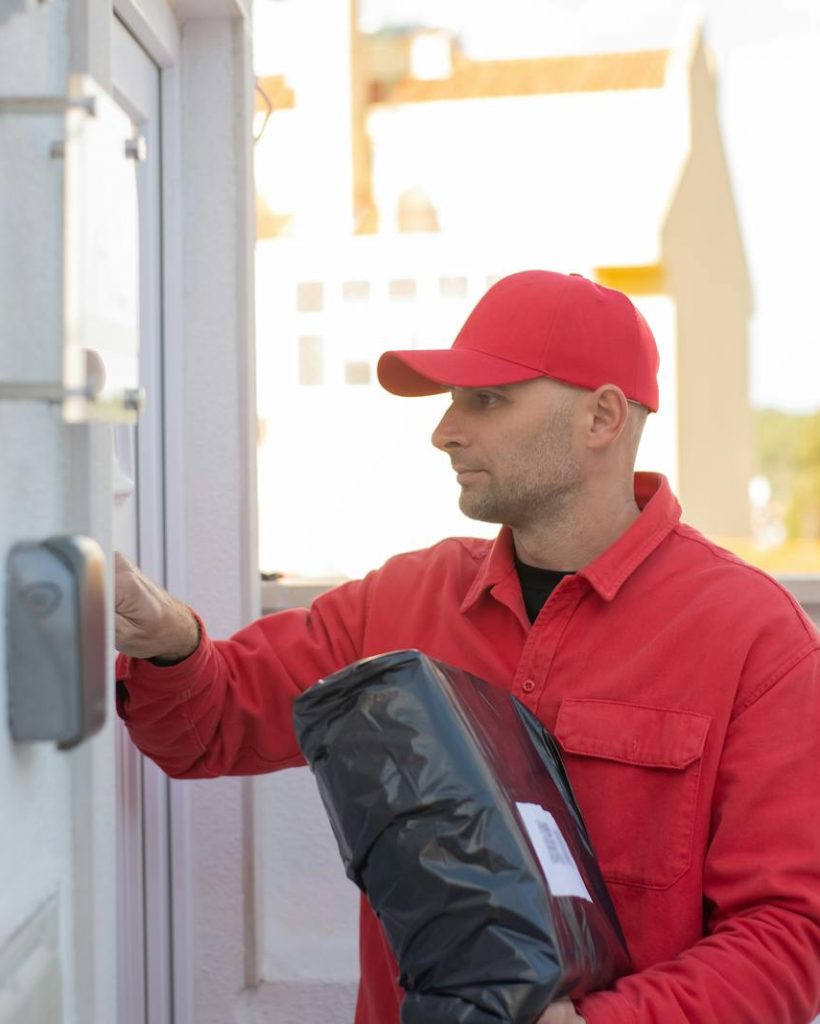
(310, 296)
(311, 360)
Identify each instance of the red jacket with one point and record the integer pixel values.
(683, 687)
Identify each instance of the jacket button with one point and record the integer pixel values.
(528, 686)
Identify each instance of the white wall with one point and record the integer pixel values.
(213, 489)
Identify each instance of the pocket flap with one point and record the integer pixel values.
(655, 737)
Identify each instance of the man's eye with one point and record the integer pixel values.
(486, 398)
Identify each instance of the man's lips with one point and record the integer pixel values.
(464, 472)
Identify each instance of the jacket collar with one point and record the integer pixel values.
(660, 513)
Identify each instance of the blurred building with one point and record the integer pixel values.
(611, 165)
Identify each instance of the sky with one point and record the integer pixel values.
(766, 59)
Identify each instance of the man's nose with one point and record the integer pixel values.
(448, 434)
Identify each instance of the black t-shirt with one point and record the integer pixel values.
(537, 585)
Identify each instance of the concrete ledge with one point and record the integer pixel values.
(293, 592)
(807, 591)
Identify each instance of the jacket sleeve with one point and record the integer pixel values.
(759, 960)
(227, 709)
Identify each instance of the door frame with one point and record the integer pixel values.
(165, 872)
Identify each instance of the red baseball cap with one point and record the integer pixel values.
(537, 324)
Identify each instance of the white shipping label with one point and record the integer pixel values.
(557, 863)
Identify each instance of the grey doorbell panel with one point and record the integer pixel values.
(56, 640)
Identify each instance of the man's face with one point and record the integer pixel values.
(513, 450)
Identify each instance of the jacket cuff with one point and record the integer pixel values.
(158, 678)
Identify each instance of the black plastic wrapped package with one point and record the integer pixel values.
(454, 815)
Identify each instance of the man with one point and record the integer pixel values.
(681, 684)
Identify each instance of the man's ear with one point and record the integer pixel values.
(608, 415)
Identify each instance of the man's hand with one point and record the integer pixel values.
(149, 623)
(562, 1012)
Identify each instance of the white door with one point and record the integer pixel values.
(143, 857)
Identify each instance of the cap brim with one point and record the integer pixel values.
(415, 373)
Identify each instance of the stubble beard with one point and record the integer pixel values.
(521, 507)
(538, 486)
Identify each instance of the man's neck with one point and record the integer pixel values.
(578, 537)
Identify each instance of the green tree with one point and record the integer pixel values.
(787, 453)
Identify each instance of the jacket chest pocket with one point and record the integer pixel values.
(636, 773)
